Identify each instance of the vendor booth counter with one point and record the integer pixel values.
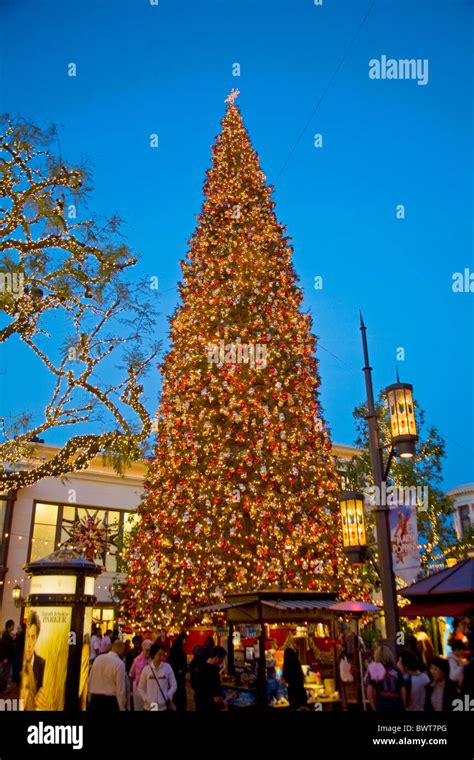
(260, 624)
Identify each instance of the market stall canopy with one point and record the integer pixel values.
(274, 605)
(446, 592)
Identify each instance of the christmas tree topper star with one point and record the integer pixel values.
(230, 98)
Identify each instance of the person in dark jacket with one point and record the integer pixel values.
(441, 692)
(209, 645)
(467, 686)
(133, 653)
(200, 655)
(207, 683)
(179, 662)
(294, 678)
(7, 653)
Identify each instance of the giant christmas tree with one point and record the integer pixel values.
(241, 492)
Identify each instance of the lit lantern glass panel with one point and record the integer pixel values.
(353, 519)
(402, 418)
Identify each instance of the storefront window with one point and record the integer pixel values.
(5, 521)
(52, 522)
(113, 521)
(44, 531)
(3, 512)
(103, 617)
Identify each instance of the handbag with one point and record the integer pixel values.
(167, 701)
(345, 671)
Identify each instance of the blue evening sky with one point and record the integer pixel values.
(167, 69)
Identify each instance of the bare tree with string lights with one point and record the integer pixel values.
(66, 301)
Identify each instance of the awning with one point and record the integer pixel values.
(294, 606)
(298, 606)
(218, 607)
(458, 579)
(447, 592)
(433, 608)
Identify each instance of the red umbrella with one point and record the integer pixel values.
(355, 607)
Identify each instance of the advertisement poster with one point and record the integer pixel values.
(83, 681)
(404, 537)
(43, 675)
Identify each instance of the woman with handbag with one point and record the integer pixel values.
(157, 684)
(139, 663)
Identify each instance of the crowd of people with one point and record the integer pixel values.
(150, 674)
(417, 680)
(409, 684)
(143, 674)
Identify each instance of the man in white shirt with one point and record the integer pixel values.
(108, 681)
(157, 685)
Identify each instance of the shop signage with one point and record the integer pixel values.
(404, 535)
(250, 631)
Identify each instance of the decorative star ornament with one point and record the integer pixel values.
(233, 95)
(89, 535)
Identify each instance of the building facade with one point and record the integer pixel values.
(35, 521)
(463, 504)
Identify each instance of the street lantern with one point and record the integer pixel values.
(17, 598)
(402, 419)
(353, 526)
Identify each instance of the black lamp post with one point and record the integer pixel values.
(403, 440)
